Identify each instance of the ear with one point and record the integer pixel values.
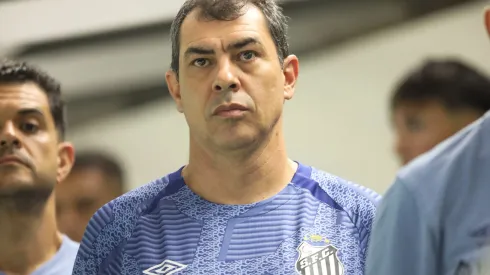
(66, 158)
(174, 89)
(487, 20)
(291, 71)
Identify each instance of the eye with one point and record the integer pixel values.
(200, 62)
(414, 124)
(248, 55)
(28, 127)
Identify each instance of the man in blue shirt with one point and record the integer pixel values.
(435, 219)
(33, 159)
(240, 206)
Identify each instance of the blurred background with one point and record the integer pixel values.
(111, 57)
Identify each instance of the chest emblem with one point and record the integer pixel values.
(316, 256)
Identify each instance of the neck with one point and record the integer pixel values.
(240, 178)
(27, 241)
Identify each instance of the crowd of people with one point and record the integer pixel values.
(241, 205)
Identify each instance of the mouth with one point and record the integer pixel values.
(230, 110)
(11, 160)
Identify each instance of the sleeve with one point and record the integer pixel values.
(363, 217)
(370, 194)
(92, 250)
(367, 216)
(402, 242)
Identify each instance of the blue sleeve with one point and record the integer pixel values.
(91, 253)
(369, 194)
(365, 214)
(402, 241)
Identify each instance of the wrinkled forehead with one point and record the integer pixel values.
(197, 29)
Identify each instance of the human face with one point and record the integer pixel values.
(31, 157)
(421, 126)
(80, 195)
(231, 86)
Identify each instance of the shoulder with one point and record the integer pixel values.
(127, 208)
(69, 250)
(114, 222)
(358, 202)
(347, 194)
(62, 262)
(69, 246)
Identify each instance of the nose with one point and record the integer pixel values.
(226, 78)
(8, 136)
(402, 149)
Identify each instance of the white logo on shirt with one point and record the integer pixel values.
(166, 268)
(316, 256)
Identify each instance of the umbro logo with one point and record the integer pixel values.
(166, 268)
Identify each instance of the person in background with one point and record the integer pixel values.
(240, 205)
(34, 157)
(435, 101)
(96, 179)
(435, 219)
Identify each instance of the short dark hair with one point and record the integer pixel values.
(228, 10)
(101, 161)
(21, 72)
(451, 82)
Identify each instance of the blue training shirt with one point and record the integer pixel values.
(435, 219)
(318, 224)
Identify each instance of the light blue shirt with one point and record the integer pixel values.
(435, 219)
(62, 262)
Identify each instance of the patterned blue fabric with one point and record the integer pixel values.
(318, 221)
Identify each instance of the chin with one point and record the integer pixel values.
(236, 142)
(24, 179)
(15, 176)
(238, 137)
(13, 183)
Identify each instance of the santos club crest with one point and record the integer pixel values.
(317, 257)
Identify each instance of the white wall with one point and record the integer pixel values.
(46, 20)
(149, 53)
(338, 120)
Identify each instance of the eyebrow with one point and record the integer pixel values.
(198, 50)
(30, 111)
(243, 43)
(233, 46)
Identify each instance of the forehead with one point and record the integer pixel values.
(432, 113)
(420, 108)
(195, 29)
(22, 95)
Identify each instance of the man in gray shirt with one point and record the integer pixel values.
(435, 219)
(33, 158)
